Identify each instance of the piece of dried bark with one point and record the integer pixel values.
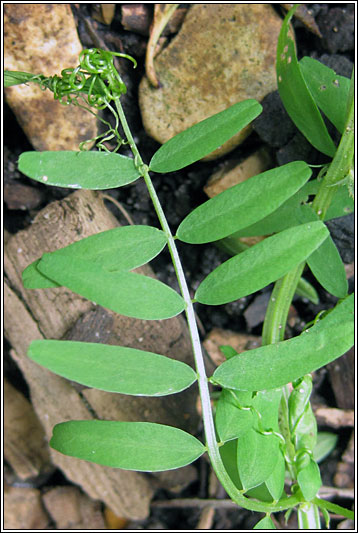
(344, 476)
(23, 509)
(25, 446)
(341, 375)
(42, 39)
(335, 418)
(71, 509)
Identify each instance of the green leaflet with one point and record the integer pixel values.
(79, 170)
(203, 138)
(288, 214)
(33, 279)
(115, 250)
(230, 421)
(309, 480)
(261, 264)
(265, 523)
(139, 446)
(275, 365)
(17, 78)
(326, 443)
(242, 205)
(295, 95)
(276, 480)
(329, 90)
(126, 293)
(257, 454)
(113, 368)
(306, 290)
(325, 262)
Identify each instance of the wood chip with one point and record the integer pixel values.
(335, 418)
(71, 509)
(25, 445)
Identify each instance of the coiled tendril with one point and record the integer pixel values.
(95, 82)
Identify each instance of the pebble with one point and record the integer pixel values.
(223, 54)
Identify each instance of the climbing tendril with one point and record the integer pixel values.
(95, 83)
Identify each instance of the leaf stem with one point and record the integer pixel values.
(209, 428)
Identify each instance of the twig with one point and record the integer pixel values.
(120, 207)
(195, 502)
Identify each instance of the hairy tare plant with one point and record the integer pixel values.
(263, 433)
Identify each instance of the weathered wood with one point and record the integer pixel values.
(71, 509)
(25, 446)
(58, 313)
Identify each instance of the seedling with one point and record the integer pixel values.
(264, 432)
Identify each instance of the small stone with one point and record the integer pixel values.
(23, 509)
(42, 39)
(221, 337)
(249, 167)
(223, 54)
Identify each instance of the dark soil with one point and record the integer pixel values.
(182, 191)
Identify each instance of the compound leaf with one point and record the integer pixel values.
(257, 453)
(113, 368)
(329, 90)
(231, 421)
(309, 480)
(276, 364)
(203, 138)
(13, 77)
(126, 293)
(115, 250)
(141, 446)
(243, 204)
(33, 279)
(295, 94)
(261, 264)
(79, 170)
(265, 523)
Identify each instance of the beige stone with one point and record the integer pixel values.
(223, 54)
(42, 39)
(221, 337)
(228, 177)
(23, 509)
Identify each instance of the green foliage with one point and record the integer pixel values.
(265, 433)
(141, 446)
(243, 204)
(79, 170)
(265, 523)
(258, 266)
(296, 96)
(110, 250)
(203, 138)
(275, 365)
(329, 90)
(326, 443)
(113, 368)
(126, 293)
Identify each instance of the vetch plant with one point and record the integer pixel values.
(263, 433)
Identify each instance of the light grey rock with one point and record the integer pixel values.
(224, 53)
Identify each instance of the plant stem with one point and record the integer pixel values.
(209, 428)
